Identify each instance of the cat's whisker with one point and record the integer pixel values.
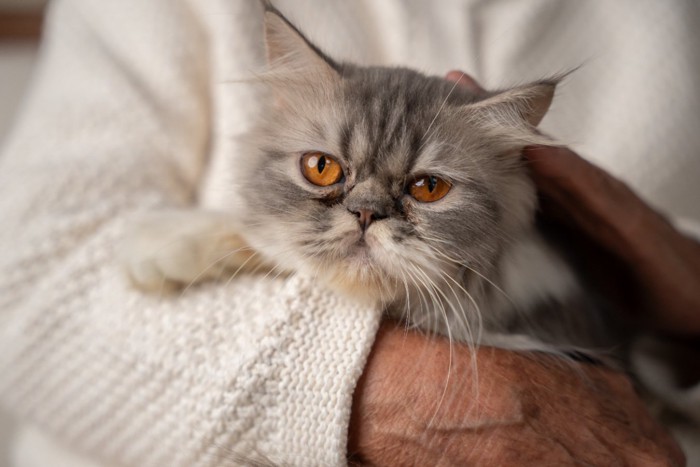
(277, 266)
(444, 276)
(260, 266)
(423, 300)
(431, 287)
(214, 263)
(465, 319)
(432, 122)
(255, 253)
(408, 298)
(466, 266)
(471, 342)
(477, 312)
(281, 271)
(403, 270)
(447, 276)
(240, 268)
(436, 293)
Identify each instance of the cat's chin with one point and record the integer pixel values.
(360, 256)
(359, 277)
(367, 295)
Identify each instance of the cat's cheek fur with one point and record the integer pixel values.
(340, 234)
(533, 272)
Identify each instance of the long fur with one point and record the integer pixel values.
(455, 266)
(472, 266)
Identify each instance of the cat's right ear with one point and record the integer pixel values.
(291, 54)
(528, 103)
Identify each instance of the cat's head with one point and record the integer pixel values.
(383, 180)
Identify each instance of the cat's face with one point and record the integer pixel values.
(383, 181)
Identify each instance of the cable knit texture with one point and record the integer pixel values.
(124, 98)
(136, 106)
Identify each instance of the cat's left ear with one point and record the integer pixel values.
(528, 103)
(290, 52)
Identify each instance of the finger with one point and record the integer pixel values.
(463, 79)
(664, 263)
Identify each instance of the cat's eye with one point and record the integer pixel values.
(429, 188)
(321, 169)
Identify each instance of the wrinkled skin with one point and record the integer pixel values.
(530, 410)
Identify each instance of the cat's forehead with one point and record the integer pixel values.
(389, 117)
(379, 89)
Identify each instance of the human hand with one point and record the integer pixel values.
(508, 409)
(647, 268)
(634, 256)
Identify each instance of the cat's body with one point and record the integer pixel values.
(429, 210)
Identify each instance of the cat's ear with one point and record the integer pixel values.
(527, 103)
(290, 52)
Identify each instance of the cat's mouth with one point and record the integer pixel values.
(360, 251)
(361, 275)
(373, 242)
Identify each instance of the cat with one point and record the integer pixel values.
(401, 190)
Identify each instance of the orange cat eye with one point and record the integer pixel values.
(321, 169)
(429, 188)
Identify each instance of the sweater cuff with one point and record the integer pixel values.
(326, 345)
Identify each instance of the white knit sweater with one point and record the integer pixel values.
(134, 108)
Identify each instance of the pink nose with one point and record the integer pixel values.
(365, 217)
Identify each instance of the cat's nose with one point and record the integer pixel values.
(366, 216)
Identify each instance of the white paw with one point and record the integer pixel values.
(180, 248)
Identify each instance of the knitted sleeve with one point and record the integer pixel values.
(118, 122)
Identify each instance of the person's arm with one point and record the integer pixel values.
(119, 121)
(658, 266)
(424, 401)
(643, 265)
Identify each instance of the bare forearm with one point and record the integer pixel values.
(422, 401)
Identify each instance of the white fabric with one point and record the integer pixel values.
(133, 106)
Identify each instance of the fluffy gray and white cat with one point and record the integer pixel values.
(399, 189)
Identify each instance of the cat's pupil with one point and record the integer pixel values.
(432, 182)
(322, 164)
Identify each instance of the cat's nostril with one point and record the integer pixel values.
(366, 216)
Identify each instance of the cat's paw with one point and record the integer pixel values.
(169, 250)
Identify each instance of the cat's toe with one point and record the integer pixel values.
(154, 265)
(145, 274)
(167, 251)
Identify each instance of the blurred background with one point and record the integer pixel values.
(20, 29)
